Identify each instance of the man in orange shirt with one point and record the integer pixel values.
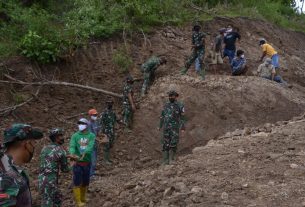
(269, 51)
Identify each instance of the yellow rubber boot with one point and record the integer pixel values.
(83, 193)
(77, 196)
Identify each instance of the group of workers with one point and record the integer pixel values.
(19, 140)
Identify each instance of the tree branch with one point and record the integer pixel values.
(63, 84)
(13, 108)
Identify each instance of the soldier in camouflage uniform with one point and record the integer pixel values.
(128, 102)
(172, 121)
(52, 157)
(149, 68)
(18, 149)
(107, 122)
(198, 50)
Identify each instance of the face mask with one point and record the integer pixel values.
(229, 30)
(82, 127)
(172, 100)
(242, 56)
(94, 118)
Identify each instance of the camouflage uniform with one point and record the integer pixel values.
(52, 157)
(14, 184)
(197, 52)
(172, 120)
(127, 110)
(108, 120)
(148, 69)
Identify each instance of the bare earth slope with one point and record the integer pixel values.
(249, 169)
(219, 106)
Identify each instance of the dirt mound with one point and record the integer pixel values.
(215, 106)
(253, 169)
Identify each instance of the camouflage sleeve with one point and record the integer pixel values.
(102, 124)
(182, 119)
(162, 119)
(64, 161)
(9, 190)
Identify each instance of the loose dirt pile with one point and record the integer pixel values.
(256, 167)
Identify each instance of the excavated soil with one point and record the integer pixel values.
(219, 105)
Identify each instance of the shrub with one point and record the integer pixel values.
(122, 60)
(38, 48)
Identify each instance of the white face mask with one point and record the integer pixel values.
(242, 56)
(229, 30)
(82, 127)
(94, 118)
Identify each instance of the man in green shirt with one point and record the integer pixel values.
(81, 146)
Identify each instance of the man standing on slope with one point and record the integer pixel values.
(229, 44)
(269, 51)
(198, 50)
(81, 146)
(18, 148)
(93, 128)
(107, 122)
(52, 158)
(129, 106)
(172, 121)
(149, 68)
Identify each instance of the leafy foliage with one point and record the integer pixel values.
(38, 48)
(60, 25)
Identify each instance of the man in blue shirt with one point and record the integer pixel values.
(238, 64)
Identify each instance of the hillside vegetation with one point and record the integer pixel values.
(45, 30)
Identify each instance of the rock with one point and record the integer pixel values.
(246, 185)
(168, 191)
(294, 166)
(151, 204)
(181, 187)
(224, 196)
(107, 204)
(130, 185)
(196, 189)
(241, 151)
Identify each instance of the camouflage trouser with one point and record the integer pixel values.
(196, 53)
(148, 79)
(49, 191)
(109, 145)
(170, 139)
(127, 115)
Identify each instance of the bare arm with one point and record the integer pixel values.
(263, 55)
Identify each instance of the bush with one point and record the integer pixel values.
(122, 60)
(38, 48)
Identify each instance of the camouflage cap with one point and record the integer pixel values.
(21, 132)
